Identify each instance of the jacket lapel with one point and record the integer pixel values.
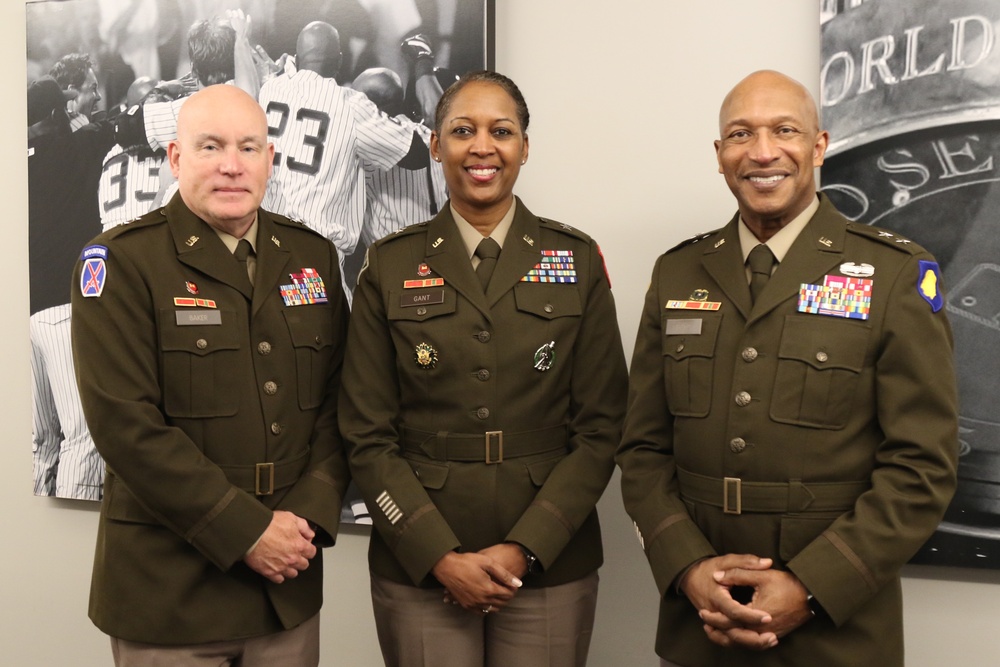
(521, 251)
(199, 247)
(723, 260)
(816, 251)
(447, 256)
(272, 260)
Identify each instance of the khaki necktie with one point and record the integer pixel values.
(242, 254)
(487, 251)
(761, 261)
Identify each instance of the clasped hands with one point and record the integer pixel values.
(778, 604)
(484, 581)
(284, 549)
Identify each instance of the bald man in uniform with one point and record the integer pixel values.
(208, 354)
(791, 437)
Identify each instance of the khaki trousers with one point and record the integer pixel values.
(541, 627)
(298, 647)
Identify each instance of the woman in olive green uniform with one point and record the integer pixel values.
(483, 398)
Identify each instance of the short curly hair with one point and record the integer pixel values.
(71, 70)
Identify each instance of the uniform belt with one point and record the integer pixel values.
(489, 447)
(263, 479)
(735, 495)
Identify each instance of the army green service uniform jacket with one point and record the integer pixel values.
(826, 443)
(476, 418)
(192, 388)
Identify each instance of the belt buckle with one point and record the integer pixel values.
(732, 486)
(268, 473)
(489, 441)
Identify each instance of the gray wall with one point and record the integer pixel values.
(624, 99)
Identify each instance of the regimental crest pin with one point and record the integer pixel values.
(191, 287)
(425, 356)
(423, 270)
(545, 356)
(699, 295)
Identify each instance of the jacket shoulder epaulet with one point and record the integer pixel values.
(285, 221)
(409, 230)
(563, 228)
(885, 237)
(694, 239)
(151, 219)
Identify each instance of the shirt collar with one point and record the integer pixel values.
(471, 236)
(781, 242)
(231, 241)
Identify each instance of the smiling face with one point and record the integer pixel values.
(87, 97)
(481, 146)
(769, 144)
(221, 158)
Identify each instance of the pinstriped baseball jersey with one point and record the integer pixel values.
(65, 462)
(130, 180)
(322, 133)
(160, 121)
(399, 197)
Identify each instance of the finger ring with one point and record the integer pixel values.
(486, 611)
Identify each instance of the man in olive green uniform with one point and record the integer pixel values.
(479, 418)
(208, 353)
(791, 437)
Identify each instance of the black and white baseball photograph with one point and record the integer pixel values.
(349, 89)
(911, 98)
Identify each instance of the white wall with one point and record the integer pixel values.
(624, 98)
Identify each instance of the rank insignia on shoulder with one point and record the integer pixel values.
(556, 267)
(838, 297)
(307, 288)
(928, 281)
(95, 270)
(425, 356)
(545, 356)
